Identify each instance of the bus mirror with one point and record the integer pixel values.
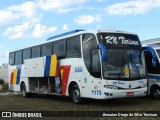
(153, 63)
(154, 56)
(104, 52)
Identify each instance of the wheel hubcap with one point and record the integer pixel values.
(23, 92)
(157, 93)
(76, 95)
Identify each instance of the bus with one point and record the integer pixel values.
(97, 64)
(152, 56)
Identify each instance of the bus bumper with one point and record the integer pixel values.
(110, 93)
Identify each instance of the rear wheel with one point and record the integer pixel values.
(76, 95)
(156, 92)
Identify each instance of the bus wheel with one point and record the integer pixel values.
(156, 92)
(23, 91)
(76, 96)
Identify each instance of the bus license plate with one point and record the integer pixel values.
(130, 94)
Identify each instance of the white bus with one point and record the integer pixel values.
(81, 64)
(152, 56)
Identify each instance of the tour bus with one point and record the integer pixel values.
(97, 64)
(152, 56)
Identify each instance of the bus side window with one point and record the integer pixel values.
(74, 47)
(95, 63)
(150, 68)
(18, 57)
(11, 58)
(148, 58)
(47, 49)
(36, 51)
(26, 54)
(59, 49)
(89, 43)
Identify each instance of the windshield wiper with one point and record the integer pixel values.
(135, 66)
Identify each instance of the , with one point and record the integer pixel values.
(97, 64)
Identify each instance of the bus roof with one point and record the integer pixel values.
(64, 34)
(155, 43)
(80, 31)
(72, 33)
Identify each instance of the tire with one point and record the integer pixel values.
(23, 91)
(156, 93)
(76, 95)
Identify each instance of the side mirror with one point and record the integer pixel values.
(154, 63)
(154, 56)
(103, 49)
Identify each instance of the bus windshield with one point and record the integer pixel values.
(125, 57)
(158, 51)
(124, 64)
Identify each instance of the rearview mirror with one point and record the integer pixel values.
(154, 56)
(103, 49)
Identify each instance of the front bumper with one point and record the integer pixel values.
(111, 93)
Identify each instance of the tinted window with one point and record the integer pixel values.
(47, 49)
(158, 51)
(150, 68)
(59, 48)
(36, 51)
(73, 47)
(26, 54)
(18, 58)
(89, 43)
(96, 68)
(11, 58)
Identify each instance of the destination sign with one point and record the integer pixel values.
(120, 40)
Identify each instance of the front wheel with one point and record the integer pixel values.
(76, 95)
(24, 92)
(156, 92)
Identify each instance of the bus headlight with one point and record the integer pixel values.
(110, 87)
(143, 85)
